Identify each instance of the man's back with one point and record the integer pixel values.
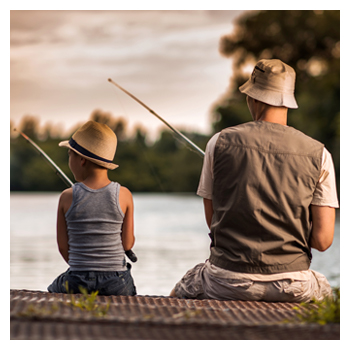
(264, 177)
(260, 181)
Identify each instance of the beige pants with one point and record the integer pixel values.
(199, 284)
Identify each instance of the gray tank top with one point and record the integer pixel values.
(94, 224)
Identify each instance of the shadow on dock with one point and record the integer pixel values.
(42, 315)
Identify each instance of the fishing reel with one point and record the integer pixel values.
(131, 255)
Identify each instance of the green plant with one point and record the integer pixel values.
(321, 312)
(37, 311)
(87, 302)
(188, 314)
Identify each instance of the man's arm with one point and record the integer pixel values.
(323, 220)
(208, 210)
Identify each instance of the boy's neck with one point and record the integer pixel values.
(96, 179)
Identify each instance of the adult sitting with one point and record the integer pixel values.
(269, 197)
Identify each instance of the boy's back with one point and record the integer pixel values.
(94, 223)
(95, 218)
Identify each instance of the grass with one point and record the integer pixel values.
(85, 302)
(321, 312)
(35, 311)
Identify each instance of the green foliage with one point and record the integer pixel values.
(88, 303)
(30, 172)
(39, 311)
(188, 314)
(85, 302)
(321, 312)
(309, 41)
(167, 165)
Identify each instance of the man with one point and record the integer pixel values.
(269, 197)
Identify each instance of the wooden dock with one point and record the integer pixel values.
(42, 315)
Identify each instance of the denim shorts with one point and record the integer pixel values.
(105, 282)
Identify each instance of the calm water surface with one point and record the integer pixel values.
(171, 237)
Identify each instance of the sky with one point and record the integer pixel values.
(60, 63)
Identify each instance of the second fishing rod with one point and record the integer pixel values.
(198, 150)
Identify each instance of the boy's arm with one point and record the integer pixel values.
(127, 205)
(62, 234)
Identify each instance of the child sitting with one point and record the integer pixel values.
(95, 218)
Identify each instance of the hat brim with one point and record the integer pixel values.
(109, 166)
(270, 97)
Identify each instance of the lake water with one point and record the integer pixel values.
(171, 237)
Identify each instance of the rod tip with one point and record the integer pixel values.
(109, 79)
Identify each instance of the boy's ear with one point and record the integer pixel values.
(83, 161)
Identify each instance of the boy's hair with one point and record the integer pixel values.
(92, 163)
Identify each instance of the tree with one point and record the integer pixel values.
(167, 165)
(309, 41)
(118, 125)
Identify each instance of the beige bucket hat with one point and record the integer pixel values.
(96, 142)
(272, 82)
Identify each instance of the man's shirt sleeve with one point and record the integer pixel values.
(326, 190)
(205, 187)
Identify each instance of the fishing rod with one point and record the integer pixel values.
(59, 172)
(193, 145)
(129, 253)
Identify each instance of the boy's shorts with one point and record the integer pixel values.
(198, 283)
(106, 282)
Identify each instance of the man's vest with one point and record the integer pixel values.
(265, 175)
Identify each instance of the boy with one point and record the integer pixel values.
(95, 218)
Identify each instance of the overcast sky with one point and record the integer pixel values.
(61, 60)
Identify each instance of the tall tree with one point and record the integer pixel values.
(309, 41)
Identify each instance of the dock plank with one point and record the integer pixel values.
(42, 315)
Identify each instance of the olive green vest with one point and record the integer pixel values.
(265, 175)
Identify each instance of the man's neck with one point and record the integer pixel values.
(272, 114)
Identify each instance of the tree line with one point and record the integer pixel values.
(309, 41)
(167, 165)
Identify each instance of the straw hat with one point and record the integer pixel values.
(95, 142)
(272, 82)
